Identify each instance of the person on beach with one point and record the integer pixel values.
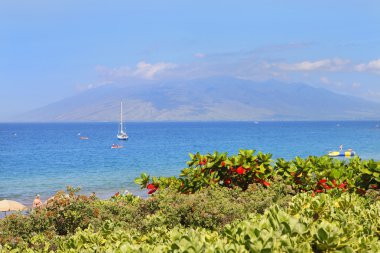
(37, 203)
(340, 147)
(93, 195)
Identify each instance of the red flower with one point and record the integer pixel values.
(227, 181)
(313, 194)
(240, 170)
(322, 181)
(334, 182)
(342, 185)
(117, 194)
(373, 186)
(150, 186)
(223, 163)
(327, 187)
(152, 190)
(267, 184)
(319, 191)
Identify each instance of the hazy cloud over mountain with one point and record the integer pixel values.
(216, 98)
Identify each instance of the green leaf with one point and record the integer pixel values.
(144, 176)
(347, 249)
(138, 181)
(322, 235)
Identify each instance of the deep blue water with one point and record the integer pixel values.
(45, 158)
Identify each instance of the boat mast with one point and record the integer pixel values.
(121, 117)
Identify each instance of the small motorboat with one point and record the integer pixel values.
(347, 153)
(116, 146)
(83, 138)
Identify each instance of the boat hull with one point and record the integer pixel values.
(122, 137)
(341, 153)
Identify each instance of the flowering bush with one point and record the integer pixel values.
(214, 170)
(322, 174)
(312, 174)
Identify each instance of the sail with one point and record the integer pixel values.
(122, 135)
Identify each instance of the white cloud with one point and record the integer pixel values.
(325, 65)
(370, 66)
(356, 85)
(142, 70)
(324, 80)
(89, 86)
(199, 55)
(149, 71)
(327, 81)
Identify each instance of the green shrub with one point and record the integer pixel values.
(212, 208)
(317, 174)
(324, 223)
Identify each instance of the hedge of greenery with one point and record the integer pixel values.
(220, 203)
(315, 174)
(324, 223)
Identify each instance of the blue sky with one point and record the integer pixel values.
(53, 49)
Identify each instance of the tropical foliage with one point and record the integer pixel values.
(219, 203)
(313, 174)
(324, 223)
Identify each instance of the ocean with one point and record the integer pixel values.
(43, 158)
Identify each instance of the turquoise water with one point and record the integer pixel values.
(44, 158)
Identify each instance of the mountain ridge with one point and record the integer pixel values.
(207, 99)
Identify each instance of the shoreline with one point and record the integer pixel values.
(102, 196)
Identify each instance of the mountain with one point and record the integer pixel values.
(217, 98)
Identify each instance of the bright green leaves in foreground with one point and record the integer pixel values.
(312, 225)
(324, 223)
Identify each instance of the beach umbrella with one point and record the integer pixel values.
(11, 205)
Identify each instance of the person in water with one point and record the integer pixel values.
(37, 203)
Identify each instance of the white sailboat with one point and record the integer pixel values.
(122, 135)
